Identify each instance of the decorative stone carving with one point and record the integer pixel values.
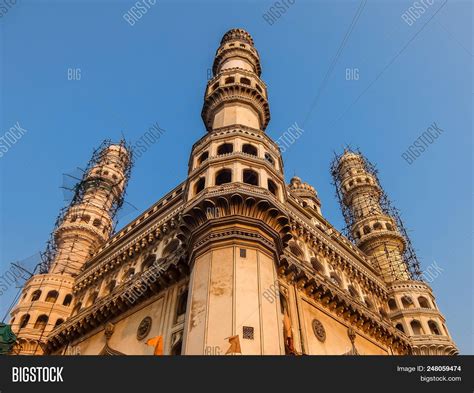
(319, 330)
(144, 328)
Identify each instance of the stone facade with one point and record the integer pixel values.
(231, 251)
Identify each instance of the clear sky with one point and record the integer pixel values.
(156, 70)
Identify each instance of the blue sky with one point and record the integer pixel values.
(155, 72)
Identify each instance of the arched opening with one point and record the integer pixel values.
(58, 322)
(272, 187)
(317, 266)
(434, 329)
(378, 226)
(249, 149)
(24, 320)
(230, 79)
(423, 302)
(389, 226)
(407, 302)
(203, 157)
(35, 295)
(399, 326)
(223, 176)
(96, 223)
(245, 81)
(366, 230)
(270, 159)
(67, 300)
(199, 185)
(52, 296)
(392, 304)
(225, 148)
(416, 327)
(41, 322)
(250, 177)
(85, 218)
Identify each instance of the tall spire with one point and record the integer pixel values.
(236, 94)
(374, 230)
(86, 224)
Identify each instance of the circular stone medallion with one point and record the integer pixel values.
(318, 330)
(144, 328)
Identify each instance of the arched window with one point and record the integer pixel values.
(41, 322)
(392, 304)
(73, 218)
(423, 302)
(249, 149)
(230, 79)
(52, 296)
(366, 230)
(416, 327)
(250, 177)
(35, 295)
(85, 218)
(24, 320)
(378, 226)
(67, 300)
(317, 266)
(434, 329)
(58, 322)
(199, 185)
(269, 158)
(223, 176)
(399, 326)
(245, 81)
(389, 226)
(272, 187)
(225, 148)
(203, 157)
(407, 302)
(335, 279)
(96, 223)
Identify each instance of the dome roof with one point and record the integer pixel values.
(300, 188)
(237, 34)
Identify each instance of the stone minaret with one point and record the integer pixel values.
(376, 232)
(46, 300)
(412, 305)
(234, 225)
